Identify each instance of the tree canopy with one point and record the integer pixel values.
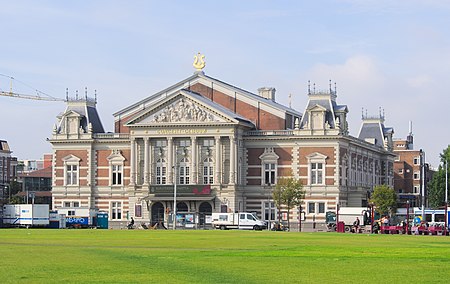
(384, 199)
(288, 192)
(436, 187)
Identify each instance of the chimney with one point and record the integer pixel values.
(267, 93)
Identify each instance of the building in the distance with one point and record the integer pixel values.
(223, 148)
(8, 172)
(411, 172)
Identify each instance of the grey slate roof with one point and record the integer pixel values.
(372, 130)
(86, 108)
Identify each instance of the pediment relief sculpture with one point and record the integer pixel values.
(183, 111)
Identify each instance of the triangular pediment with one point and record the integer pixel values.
(181, 109)
(316, 156)
(317, 108)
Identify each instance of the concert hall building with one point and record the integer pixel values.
(223, 149)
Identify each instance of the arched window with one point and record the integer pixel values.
(208, 171)
(183, 173)
(161, 170)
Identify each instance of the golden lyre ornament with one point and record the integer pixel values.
(199, 62)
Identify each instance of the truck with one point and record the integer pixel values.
(348, 216)
(79, 217)
(26, 215)
(241, 221)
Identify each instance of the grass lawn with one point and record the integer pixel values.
(137, 256)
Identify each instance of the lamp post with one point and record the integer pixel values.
(446, 198)
(407, 217)
(175, 197)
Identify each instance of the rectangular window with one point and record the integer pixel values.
(183, 175)
(185, 143)
(116, 210)
(316, 173)
(269, 173)
(161, 143)
(416, 175)
(66, 204)
(70, 212)
(269, 211)
(76, 204)
(160, 175)
(400, 171)
(116, 174)
(321, 207)
(138, 210)
(311, 207)
(416, 161)
(208, 142)
(71, 175)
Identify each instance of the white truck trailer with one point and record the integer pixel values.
(348, 216)
(78, 217)
(242, 221)
(26, 215)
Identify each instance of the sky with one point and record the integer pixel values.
(387, 54)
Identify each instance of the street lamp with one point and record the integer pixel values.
(407, 217)
(446, 198)
(175, 197)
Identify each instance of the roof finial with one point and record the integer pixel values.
(362, 113)
(331, 91)
(309, 87)
(85, 93)
(290, 100)
(335, 88)
(199, 62)
(76, 95)
(67, 94)
(314, 88)
(95, 96)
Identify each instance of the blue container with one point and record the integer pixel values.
(102, 220)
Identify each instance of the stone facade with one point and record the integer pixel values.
(221, 147)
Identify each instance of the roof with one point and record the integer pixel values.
(185, 84)
(45, 173)
(195, 97)
(89, 116)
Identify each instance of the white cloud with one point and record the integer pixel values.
(357, 74)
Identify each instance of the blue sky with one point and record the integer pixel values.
(389, 54)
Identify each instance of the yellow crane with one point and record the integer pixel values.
(39, 95)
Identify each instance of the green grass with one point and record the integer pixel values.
(123, 256)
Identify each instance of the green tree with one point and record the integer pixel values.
(436, 187)
(288, 192)
(277, 196)
(385, 199)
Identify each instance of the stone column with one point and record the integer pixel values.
(232, 160)
(170, 160)
(146, 160)
(194, 163)
(133, 162)
(217, 179)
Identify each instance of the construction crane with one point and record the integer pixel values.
(39, 95)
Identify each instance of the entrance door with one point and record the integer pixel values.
(204, 209)
(157, 213)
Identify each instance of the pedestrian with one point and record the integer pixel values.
(356, 225)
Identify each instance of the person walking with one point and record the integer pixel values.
(356, 225)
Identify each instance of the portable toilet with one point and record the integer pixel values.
(102, 220)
